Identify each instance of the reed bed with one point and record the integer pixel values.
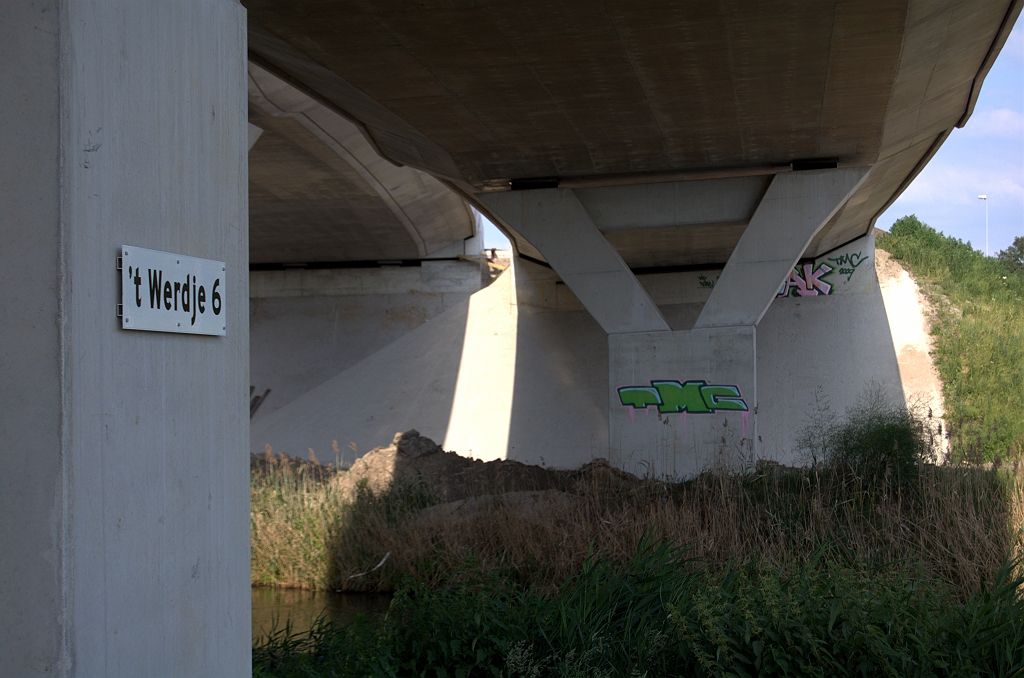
(954, 523)
(662, 614)
(870, 561)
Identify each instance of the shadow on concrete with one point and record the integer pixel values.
(838, 347)
(559, 411)
(409, 383)
(298, 343)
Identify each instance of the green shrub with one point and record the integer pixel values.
(1013, 256)
(876, 440)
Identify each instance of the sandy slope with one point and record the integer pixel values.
(908, 311)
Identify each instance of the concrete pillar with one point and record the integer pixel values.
(796, 206)
(682, 402)
(124, 519)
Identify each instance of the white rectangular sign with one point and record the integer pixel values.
(165, 292)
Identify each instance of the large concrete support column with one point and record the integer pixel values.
(681, 402)
(124, 491)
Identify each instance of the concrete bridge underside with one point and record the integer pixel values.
(670, 167)
(590, 96)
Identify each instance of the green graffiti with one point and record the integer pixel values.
(693, 396)
(848, 263)
(686, 397)
(639, 397)
(723, 398)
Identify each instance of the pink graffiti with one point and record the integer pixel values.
(808, 281)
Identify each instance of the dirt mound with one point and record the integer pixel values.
(530, 507)
(412, 458)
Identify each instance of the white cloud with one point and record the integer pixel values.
(1002, 123)
(942, 183)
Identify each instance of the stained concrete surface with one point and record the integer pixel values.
(662, 441)
(909, 313)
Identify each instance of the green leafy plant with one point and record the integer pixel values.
(876, 440)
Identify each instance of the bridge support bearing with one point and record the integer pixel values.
(124, 537)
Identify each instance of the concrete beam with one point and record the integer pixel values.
(304, 183)
(796, 206)
(673, 203)
(555, 222)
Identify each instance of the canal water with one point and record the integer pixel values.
(272, 607)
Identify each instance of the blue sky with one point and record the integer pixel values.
(492, 236)
(985, 157)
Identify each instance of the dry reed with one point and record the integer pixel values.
(956, 524)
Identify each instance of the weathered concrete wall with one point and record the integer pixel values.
(829, 346)
(909, 314)
(306, 326)
(124, 490)
(682, 402)
(528, 373)
(408, 383)
(487, 378)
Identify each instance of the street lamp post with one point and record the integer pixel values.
(985, 198)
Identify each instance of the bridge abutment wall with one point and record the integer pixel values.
(308, 325)
(522, 371)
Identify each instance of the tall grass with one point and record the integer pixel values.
(660, 614)
(872, 499)
(955, 524)
(979, 337)
(870, 562)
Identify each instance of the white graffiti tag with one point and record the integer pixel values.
(806, 281)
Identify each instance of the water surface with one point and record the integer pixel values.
(272, 606)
